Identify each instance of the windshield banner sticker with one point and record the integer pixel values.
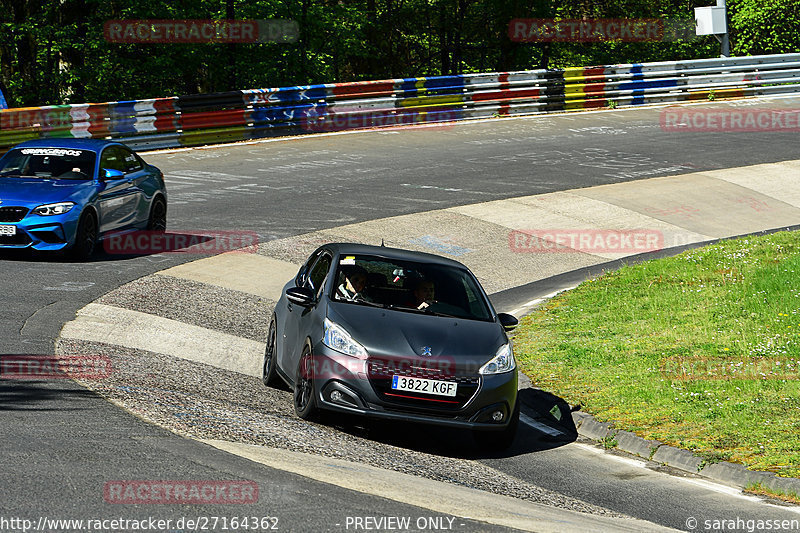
(51, 151)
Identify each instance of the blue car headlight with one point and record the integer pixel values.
(54, 209)
(336, 338)
(500, 363)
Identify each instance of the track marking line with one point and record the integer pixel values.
(789, 507)
(722, 489)
(624, 460)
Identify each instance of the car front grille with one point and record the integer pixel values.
(380, 372)
(12, 213)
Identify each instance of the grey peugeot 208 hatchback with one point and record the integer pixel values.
(395, 334)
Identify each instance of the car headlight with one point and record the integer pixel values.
(336, 338)
(500, 363)
(54, 209)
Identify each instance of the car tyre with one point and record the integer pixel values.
(499, 441)
(85, 237)
(158, 216)
(269, 374)
(305, 403)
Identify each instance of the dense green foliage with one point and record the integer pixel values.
(54, 51)
(765, 27)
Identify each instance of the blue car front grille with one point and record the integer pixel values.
(12, 213)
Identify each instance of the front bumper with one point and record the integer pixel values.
(45, 233)
(342, 383)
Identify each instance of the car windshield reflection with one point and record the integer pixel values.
(407, 286)
(48, 163)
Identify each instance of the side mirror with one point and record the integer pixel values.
(508, 322)
(300, 295)
(111, 174)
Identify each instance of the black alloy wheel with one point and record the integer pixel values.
(158, 216)
(305, 406)
(268, 375)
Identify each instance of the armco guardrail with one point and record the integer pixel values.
(258, 113)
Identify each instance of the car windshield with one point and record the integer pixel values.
(409, 286)
(48, 163)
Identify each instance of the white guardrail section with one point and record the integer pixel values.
(257, 113)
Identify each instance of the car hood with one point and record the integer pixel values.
(390, 333)
(30, 191)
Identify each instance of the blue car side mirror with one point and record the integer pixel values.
(111, 174)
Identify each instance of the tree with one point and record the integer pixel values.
(764, 27)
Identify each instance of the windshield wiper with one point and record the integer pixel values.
(363, 302)
(367, 302)
(439, 313)
(405, 308)
(425, 311)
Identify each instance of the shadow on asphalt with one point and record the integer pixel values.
(546, 433)
(36, 395)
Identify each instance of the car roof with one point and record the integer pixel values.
(94, 145)
(344, 248)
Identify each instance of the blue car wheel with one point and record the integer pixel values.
(85, 236)
(158, 216)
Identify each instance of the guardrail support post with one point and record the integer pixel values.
(726, 47)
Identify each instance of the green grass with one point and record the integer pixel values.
(700, 350)
(758, 488)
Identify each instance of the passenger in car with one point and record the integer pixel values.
(422, 294)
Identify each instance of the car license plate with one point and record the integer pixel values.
(425, 386)
(8, 230)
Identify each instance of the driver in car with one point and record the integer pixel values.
(355, 280)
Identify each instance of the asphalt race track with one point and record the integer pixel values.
(62, 443)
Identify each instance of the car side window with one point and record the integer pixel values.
(302, 274)
(130, 161)
(112, 159)
(319, 271)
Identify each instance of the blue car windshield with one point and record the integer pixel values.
(48, 163)
(409, 286)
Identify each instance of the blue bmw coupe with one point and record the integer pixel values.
(67, 194)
